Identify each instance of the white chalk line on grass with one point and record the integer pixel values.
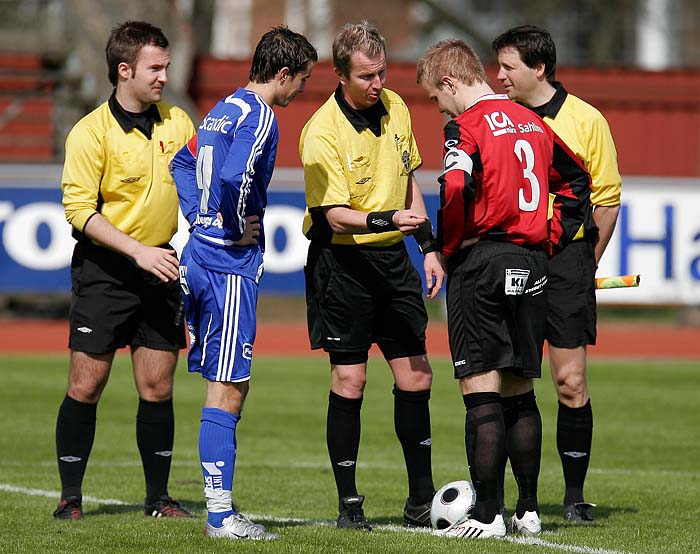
(364, 465)
(301, 521)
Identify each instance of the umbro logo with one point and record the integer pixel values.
(363, 181)
(427, 442)
(131, 180)
(85, 330)
(380, 222)
(575, 454)
(164, 453)
(347, 463)
(70, 459)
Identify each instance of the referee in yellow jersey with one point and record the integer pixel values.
(359, 155)
(121, 201)
(527, 58)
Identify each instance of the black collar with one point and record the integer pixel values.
(555, 103)
(369, 118)
(143, 121)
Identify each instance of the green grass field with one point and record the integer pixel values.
(645, 471)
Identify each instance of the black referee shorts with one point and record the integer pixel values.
(115, 303)
(357, 296)
(571, 303)
(496, 302)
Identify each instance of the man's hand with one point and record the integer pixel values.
(161, 262)
(251, 233)
(434, 267)
(408, 221)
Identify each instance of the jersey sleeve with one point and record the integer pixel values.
(602, 164)
(82, 174)
(456, 190)
(570, 185)
(236, 173)
(184, 170)
(323, 170)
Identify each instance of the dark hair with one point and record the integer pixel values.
(356, 37)
(534, 44)
(278, 48)
(126, 41)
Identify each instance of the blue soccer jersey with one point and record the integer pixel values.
(222, 177)
(226, 169)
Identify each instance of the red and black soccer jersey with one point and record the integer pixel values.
(501, 163)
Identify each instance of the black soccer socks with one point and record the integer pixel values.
(523, 426)
(75, 433)
(343, 440)
(574, 437)
(485, 443)
(155, 433)
(412, 425)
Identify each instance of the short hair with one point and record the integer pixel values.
(356, 37)
(278, 48)
(125, 43)
(534, 44)
(451, 57)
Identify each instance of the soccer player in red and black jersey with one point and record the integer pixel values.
(501, 164)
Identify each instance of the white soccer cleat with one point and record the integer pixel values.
(237, 526)
(473, 529)
(529, 525)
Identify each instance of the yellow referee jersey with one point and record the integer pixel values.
(123, 175)
(344, 166)
(584, 129)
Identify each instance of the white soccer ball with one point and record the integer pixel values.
(452, 503)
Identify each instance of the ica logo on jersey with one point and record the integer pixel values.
(499, 123)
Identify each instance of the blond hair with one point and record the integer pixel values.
(356, 37)
(451, 57)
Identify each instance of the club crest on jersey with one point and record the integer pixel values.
(499, 123)
(516, 279)
(406, 160)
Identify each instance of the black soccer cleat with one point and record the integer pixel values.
(70, 508)
(165, 506)
(579, 513)
(352, 516)
(417, 515)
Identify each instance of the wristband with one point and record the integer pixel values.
(381, 222)
(426, 239)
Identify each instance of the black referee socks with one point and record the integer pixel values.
(574, 437)
(75, 433)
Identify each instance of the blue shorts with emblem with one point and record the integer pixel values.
(220, 316)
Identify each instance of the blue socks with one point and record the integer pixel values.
(217, 454)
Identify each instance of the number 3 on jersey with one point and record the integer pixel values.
(522, 149)
(205, 161)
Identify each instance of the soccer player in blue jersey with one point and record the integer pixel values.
(222, 177)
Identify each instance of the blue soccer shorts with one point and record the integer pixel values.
(220, 316)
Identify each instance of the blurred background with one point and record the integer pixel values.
(638, 62)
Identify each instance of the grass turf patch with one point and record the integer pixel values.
(644, 473)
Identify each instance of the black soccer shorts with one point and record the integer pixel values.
(114, 303)
(571, 302)
(357, 296)
(496, 301)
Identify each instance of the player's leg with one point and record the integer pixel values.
(343, 429)
(156, 340)
(523, 427)
(571, 325)
(155, 427)
(75, 427)
(484, 431)
(574, 427)
(413, 379)
(400, 326)
(220, 314)
(340, 313)
(101, 305)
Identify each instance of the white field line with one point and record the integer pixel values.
(366, 466)
(272, 519)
